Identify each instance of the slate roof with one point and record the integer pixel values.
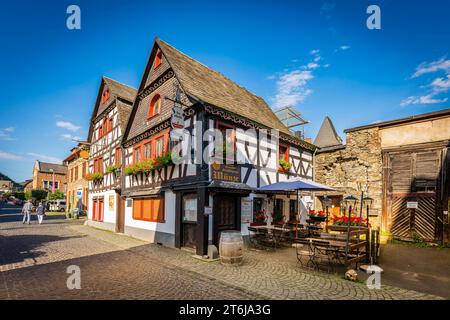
(207, 85)
(327, 136)
(47, 167)
(117, 89)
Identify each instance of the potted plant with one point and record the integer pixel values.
(285, 165)
(260, 218)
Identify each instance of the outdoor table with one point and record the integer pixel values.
(270, 232)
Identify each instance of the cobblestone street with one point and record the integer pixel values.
(34, 259)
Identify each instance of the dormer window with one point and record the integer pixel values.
(105, 96)
(155, 106)
(158, 59)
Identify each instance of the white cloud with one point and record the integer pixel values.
(314, 51)
(9, 156)
(438, 86)
(312, 65)
(442, 64)
(67, 125)
(426, 99)
(44, 158)
(317, 58)
(291, 88)
(441, 84)
(343, 47)
(5, 134)
(68, 136)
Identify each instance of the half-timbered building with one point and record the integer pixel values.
(188, 204)
(108, 122)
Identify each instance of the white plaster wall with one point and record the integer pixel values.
(169, 215)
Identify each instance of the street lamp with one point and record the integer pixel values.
(367, 201)
(326, 202)
(350, 202)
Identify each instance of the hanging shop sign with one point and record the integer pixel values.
(177, 120)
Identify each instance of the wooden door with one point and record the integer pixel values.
(189, 220)
(224, 215)
(94, 210)
(413, 177)
(100, 210)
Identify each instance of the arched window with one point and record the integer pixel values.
(155, 106)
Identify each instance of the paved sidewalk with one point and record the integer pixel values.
(263, 276)
(34, 259)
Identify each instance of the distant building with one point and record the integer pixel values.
(77, 185)
(27, 185)
(44, 174)
(6, 186)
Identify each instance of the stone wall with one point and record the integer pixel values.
(359, 161)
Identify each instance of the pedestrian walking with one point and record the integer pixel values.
(26, 210)
(40, 211)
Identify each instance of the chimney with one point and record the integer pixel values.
(308, 140)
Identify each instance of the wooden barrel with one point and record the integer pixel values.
(230, 247)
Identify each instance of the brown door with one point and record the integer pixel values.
(120, 217)
(413, 177)
(189, 220)
(224, 215)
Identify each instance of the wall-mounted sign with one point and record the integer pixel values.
(111, 203)
(177, 120)
(208, 210)
(246, 210)
(412, 205)
(226, 172)
(79, 194)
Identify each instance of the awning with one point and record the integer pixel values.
(144, 193)
(294, 185)
(230, 187)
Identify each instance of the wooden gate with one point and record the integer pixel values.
(414, 177)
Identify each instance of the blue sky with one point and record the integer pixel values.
(317, 55)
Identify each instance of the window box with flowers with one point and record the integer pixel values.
(96, 177)
(114, 169)
(318, 216)
(339, 223)
(147, 166)
(285, 165)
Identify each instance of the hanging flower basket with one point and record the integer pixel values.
(285, 166)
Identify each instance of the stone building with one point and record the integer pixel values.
(44, 174)
(6, 186)
(77, 185)
(404, 163)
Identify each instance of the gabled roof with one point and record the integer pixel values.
(207, 85)
(46, 167)
(126, 95)
(327, 136)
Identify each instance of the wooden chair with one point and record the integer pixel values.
(303, 249)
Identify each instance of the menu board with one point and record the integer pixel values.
(190, 209)
(246, 210)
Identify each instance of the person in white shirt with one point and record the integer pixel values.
(26, 210)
